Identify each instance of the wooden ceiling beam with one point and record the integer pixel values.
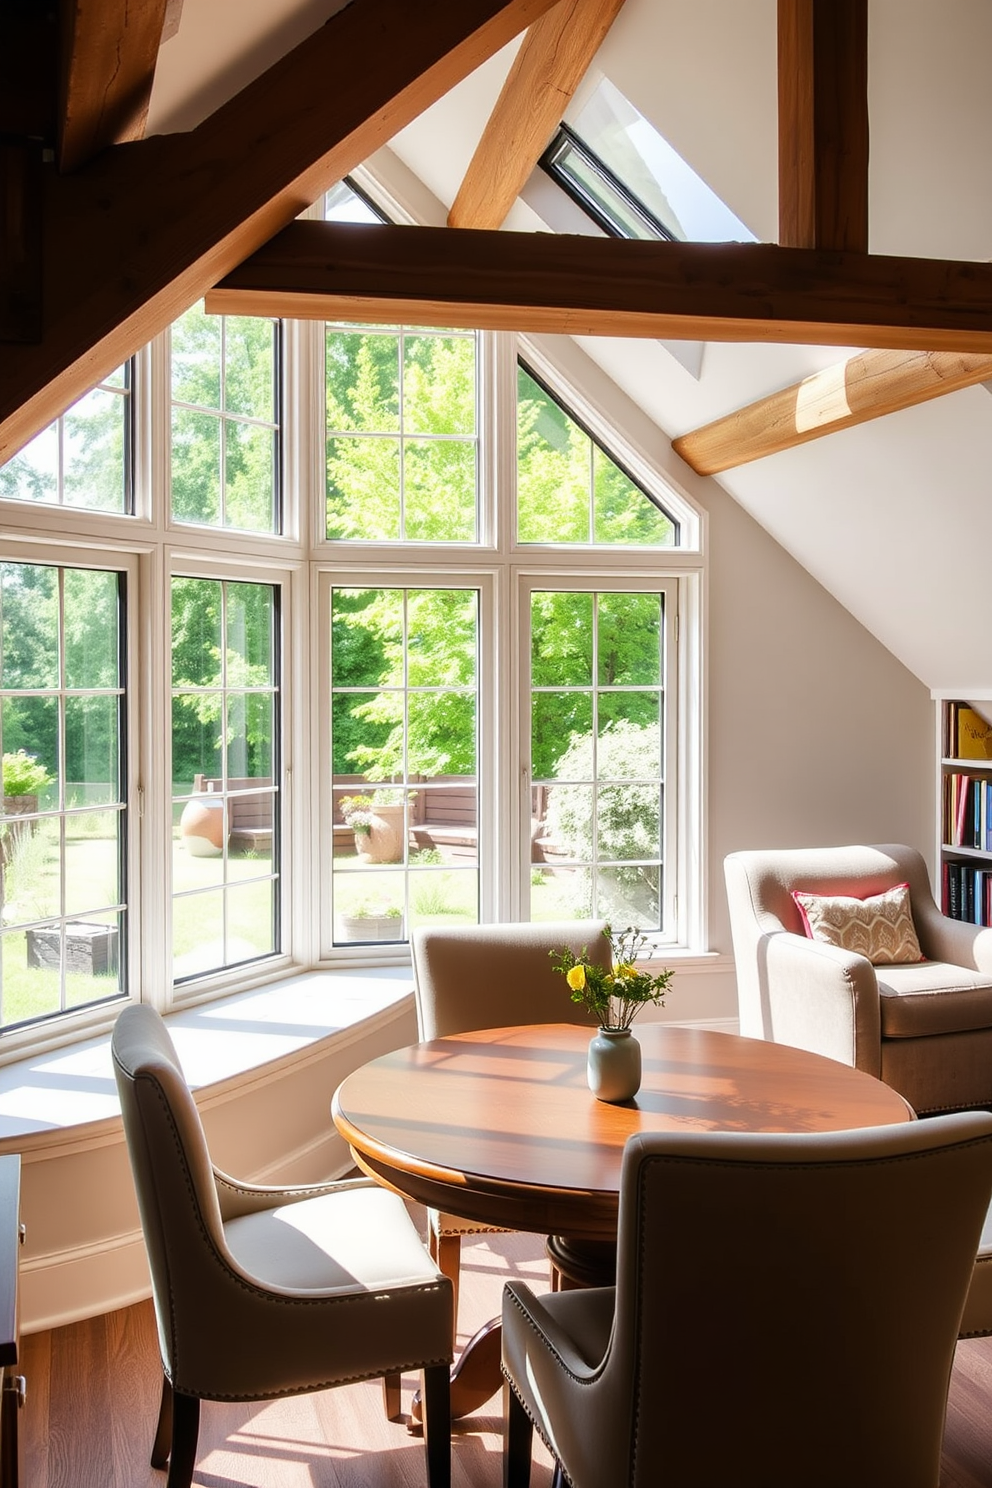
(866, 386)
(109, 52)
(142, 230)
(574, 285)
(823, 124)
(553, 58)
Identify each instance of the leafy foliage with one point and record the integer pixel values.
(625, 825)
(614, 994)
(23, 774)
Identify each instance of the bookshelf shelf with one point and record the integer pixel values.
(965, 805)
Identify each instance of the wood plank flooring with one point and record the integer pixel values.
(93, 1393)
(93, 1390)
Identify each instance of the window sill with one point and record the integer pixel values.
(218, 1042)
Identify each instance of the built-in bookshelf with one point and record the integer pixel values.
(966, 809)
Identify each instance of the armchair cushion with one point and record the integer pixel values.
(879, 927)
(913, 1001)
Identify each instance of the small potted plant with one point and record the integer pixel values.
(372, 919)
(378, 822)
(615, 994)
(358, 815)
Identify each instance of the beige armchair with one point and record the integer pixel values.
(923, 1028)
(490, 976)
(768, 1325)
(263, 1292)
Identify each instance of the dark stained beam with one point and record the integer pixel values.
(823, 124)
(613, 287)
(109, 51)
(553, 59)
(142, 230)
(864, 387)
(20, 240)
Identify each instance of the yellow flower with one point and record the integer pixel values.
(576, 977)
(624, 970)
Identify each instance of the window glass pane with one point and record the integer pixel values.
(195, 466)
(598, 764)
(344, 204)
(561, 639)
(404, 760)
(249, 474)
(249, 367)
(226, 799)
(569, 490)
(363, 489)
(401, 435)
(29, 640)
(92, 750)
(225, 421)
(439, 481)
(363, 381)
(652, 171)
(83, 458)
(62, 843)
(91, 639)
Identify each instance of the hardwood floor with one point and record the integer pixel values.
(93, 1393)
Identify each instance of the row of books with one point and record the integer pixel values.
(967, 735)
(968, 812)
(968, 893)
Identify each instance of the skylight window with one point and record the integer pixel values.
(345, 203)
(629, 179)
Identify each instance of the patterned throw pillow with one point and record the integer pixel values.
(880, 928)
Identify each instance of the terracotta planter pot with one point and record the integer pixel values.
(384, 843)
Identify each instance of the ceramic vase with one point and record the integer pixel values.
(614, 1067)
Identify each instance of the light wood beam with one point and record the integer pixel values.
(823, 124)
(109, 51)
(866, 386)
(573, 285)
(142, 230)
(553, 59)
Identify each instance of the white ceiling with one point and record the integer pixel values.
(893, 517)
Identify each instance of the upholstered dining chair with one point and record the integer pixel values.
(264, 1292)
(469, 977)
(924, 1026)
(785, 1313)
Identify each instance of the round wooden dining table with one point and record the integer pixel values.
(499, 1126)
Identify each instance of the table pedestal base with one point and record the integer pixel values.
(475, 1374)
(582, 1263)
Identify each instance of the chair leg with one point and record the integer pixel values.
(437, 1425)
(446, 1252)
(185, 1430)
(163, 1431)
(392, 1396)
(518, 1433)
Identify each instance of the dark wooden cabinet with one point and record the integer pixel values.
(11, 1383)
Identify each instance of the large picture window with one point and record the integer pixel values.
(442, 672)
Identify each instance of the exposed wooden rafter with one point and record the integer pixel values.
(864, 387)
(614, 287)
(141, 231)
(551, 62)
(823, 124)
(109, 51)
